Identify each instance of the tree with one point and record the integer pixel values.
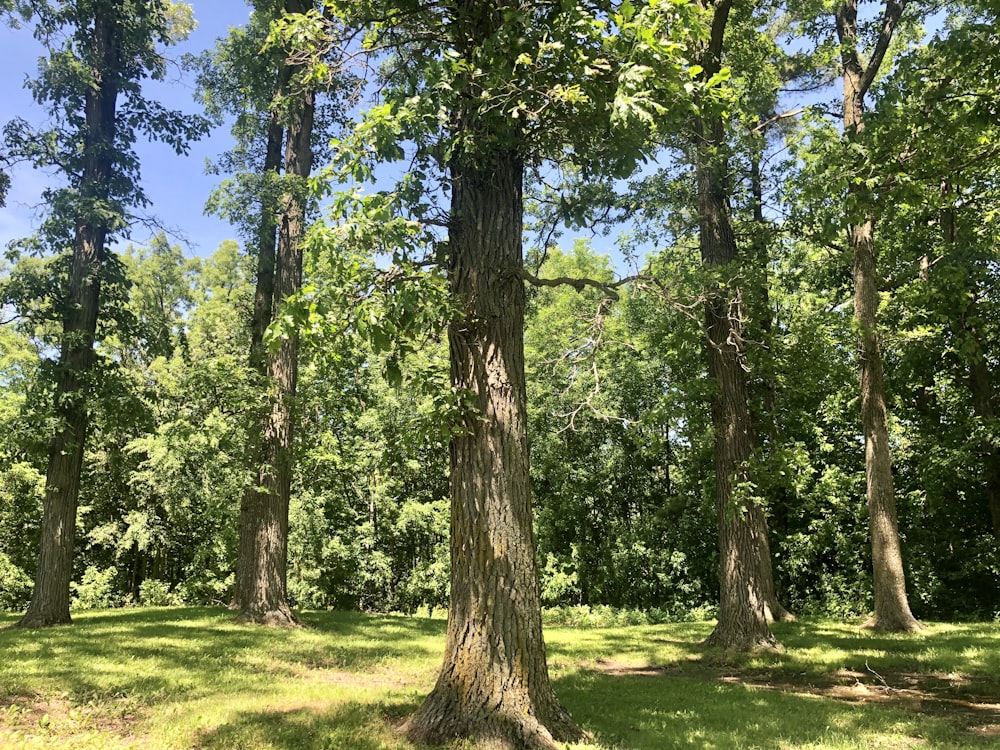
(276, 112)
(892, 609)
(110, 46)
(746, 600)
(261, 571)
(481, 90)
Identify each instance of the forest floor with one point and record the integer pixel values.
(190, 678)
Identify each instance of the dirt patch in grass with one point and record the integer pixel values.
(972, 704)
(55, 717)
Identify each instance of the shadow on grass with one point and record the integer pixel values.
(191, 651)
(346, 726)
(643, 712)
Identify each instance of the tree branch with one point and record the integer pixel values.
(578, 283)
(776, 118)
(890, 19)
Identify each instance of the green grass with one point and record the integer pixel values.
(190, 678)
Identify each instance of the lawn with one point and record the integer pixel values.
(190, 678)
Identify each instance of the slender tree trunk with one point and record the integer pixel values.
(262, 567)
(50, 599)
(743, 594)
(494, 685)
(778, 503)
(981, 389)
(263, 299)
(979, 378)
(892, 609)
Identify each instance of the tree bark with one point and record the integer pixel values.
(262, 567)
(494, 685)
(892, 609)
(263, 299)
(49, 603)
(263, 304)
(744, 608)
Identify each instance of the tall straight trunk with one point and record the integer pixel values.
(263, 303)
(494, 684)
(743, 594)
(778, 502)
(50, 599)
(263, 299)
(262, 566)
(892, 609)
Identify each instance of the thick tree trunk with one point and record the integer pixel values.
(262, 567)
(494, 685)
(892, 609)
(263, 304)
(744, 607)
(50, 599)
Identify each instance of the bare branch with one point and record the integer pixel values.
(608, 287)
(777, 118)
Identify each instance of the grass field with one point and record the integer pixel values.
(190, 678)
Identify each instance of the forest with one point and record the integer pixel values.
(671, 310)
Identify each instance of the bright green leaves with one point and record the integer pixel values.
(654, 76)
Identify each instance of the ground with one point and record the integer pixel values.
(191, 678)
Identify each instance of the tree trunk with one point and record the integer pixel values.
(743, 593)
(778, 504)
(892, 609)
(263, 299)
(979, 378)
(263, 304)
(743, 615)
(50, 599)
(262, 567)
(981, 390)
(494, 685)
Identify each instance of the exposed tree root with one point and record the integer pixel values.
(730, 640)
(281, 617)
(903, 624)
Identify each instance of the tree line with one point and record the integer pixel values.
(786, 406)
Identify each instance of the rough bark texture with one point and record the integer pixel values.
(743, 615)
(263, 298)
(262, 566)
(494, 685)
(743, 544)
(892, 609)
(246, 564)
(50, 599)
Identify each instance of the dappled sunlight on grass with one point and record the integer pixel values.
(190, 677)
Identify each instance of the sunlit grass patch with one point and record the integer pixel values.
(190, 677)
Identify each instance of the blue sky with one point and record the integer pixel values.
(176, 185)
